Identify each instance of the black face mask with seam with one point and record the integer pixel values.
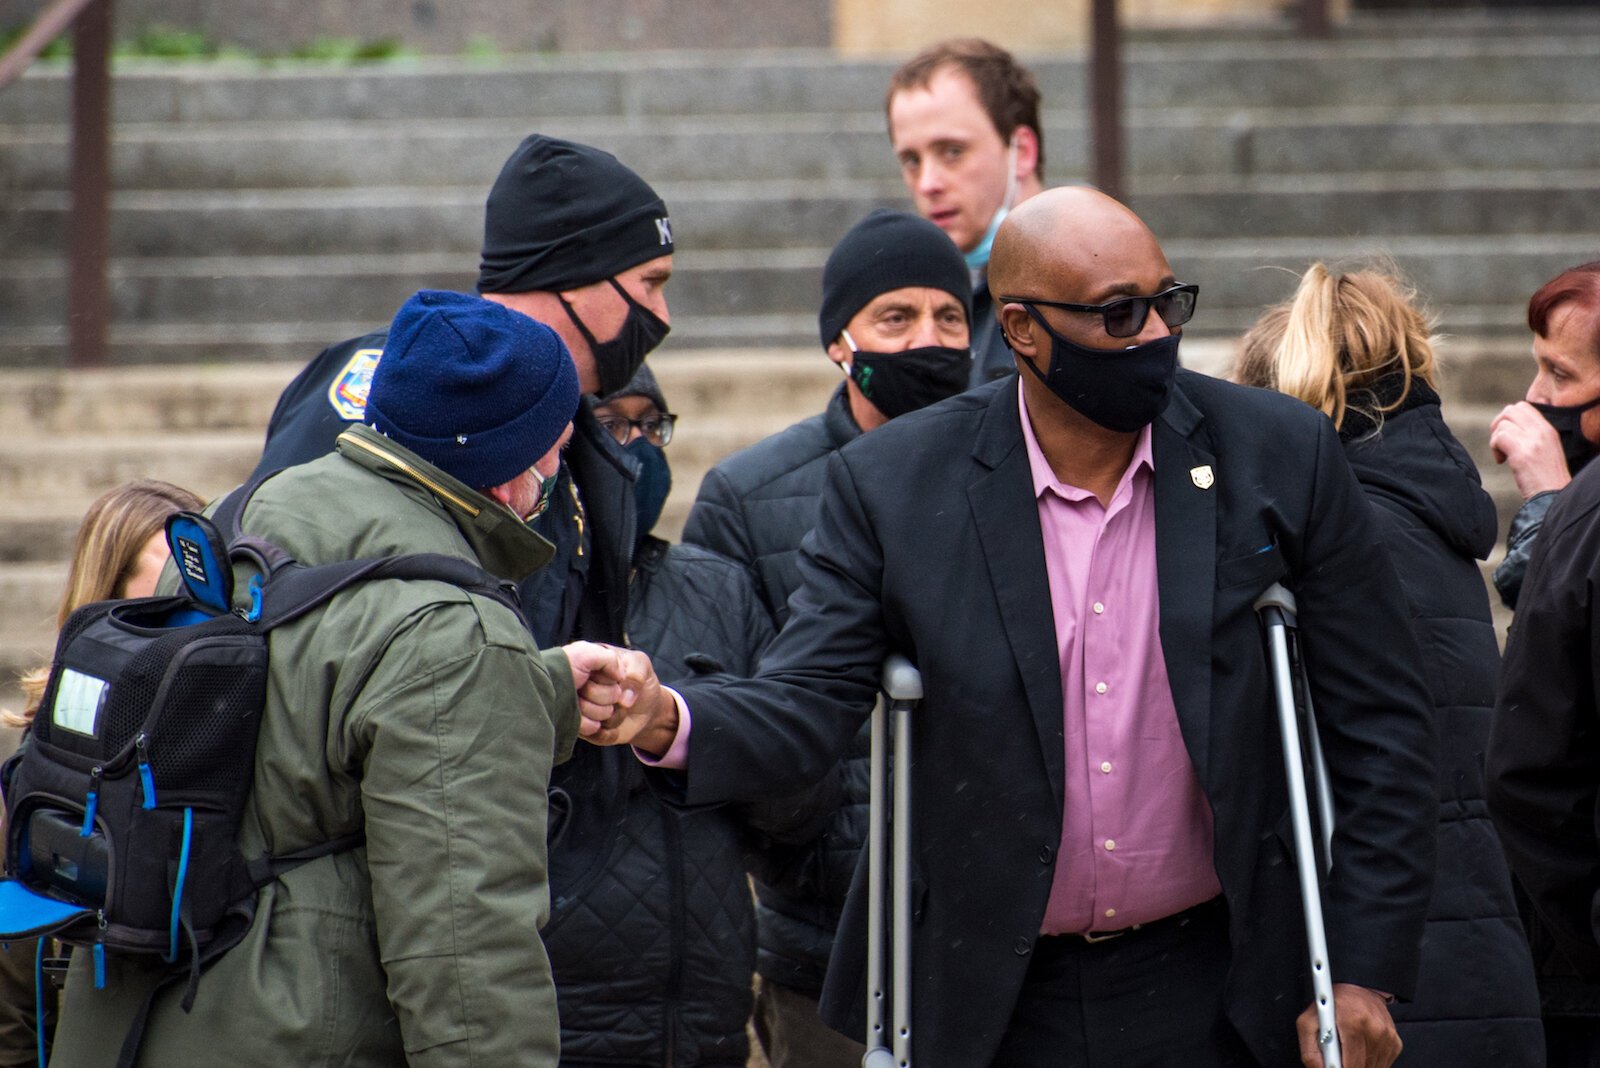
(901, 382)
(1120, 389)
(615, 361)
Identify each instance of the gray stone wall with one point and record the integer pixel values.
(451, 26)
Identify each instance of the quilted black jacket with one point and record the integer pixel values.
(756, 506)
(652, 935)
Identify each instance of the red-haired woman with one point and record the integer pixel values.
(1552, 432)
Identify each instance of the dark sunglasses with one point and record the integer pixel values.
(656, 429)
(1125, 317)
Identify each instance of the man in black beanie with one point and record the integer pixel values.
(895, 318)
(575, 240)
(579, 242)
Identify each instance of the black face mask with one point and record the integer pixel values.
(1567, 420)
(901, 382)
(1120, 389)
(615, 361)
(653, 485)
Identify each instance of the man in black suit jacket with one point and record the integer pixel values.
(929, 543)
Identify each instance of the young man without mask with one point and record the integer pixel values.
(895, 319)
(964, 123)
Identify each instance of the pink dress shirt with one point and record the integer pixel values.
(1136, 831)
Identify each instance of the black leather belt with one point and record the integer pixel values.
(1204, 910)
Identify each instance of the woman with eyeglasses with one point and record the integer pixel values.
(1355, 346)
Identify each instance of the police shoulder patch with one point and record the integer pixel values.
(348, 392)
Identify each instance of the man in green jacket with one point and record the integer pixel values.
(411, 711)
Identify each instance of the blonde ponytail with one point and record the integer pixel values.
(1336, 337)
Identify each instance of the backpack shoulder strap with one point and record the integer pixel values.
(231, 510)
(295, 589)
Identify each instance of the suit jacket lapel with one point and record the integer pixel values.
(1006, 516)
(1186, 575)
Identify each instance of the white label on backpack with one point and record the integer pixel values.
(79, 699)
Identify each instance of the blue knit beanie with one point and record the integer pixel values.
(476, 389)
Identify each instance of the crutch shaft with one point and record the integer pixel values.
(1305, 849)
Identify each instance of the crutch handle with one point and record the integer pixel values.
(1276, 596)
(901, 680)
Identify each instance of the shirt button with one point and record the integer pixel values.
(1099, 687)
(1098, 608)
(1046, 855)
(1110, 846)
(1111, 914)
(1105, 766)
(1022, 946)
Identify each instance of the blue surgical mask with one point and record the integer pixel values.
(978, 258)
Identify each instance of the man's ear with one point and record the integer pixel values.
(1027, 151)
(501, 493)
(1017, 326)
(838, 352)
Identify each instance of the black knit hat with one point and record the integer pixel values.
(476, 389)
(563, 215)
(888, 250)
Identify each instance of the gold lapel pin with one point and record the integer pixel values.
(1202, 476)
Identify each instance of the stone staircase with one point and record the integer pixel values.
(261, 213)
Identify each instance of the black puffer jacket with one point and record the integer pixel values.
(1476, 1000)
(756, 506)
(651, 929)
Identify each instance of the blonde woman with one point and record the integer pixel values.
(1355, 346)
(119, 552)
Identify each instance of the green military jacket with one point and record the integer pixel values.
(424, 717)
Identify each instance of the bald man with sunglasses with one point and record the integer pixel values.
(1102, 873)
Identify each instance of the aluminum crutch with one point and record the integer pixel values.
(902, 689)
(1277, 610)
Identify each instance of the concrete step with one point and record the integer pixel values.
(719, 216)
(1419, 69)
(42, 468)
(1261, 139)
(35, 531)
(239, 398)
(30, 594)
(1477, 283)
(142, 400)
(1487, 372)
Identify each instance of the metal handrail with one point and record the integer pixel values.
(89, 227)
(52, 22)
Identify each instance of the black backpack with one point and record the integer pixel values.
(123, 805)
